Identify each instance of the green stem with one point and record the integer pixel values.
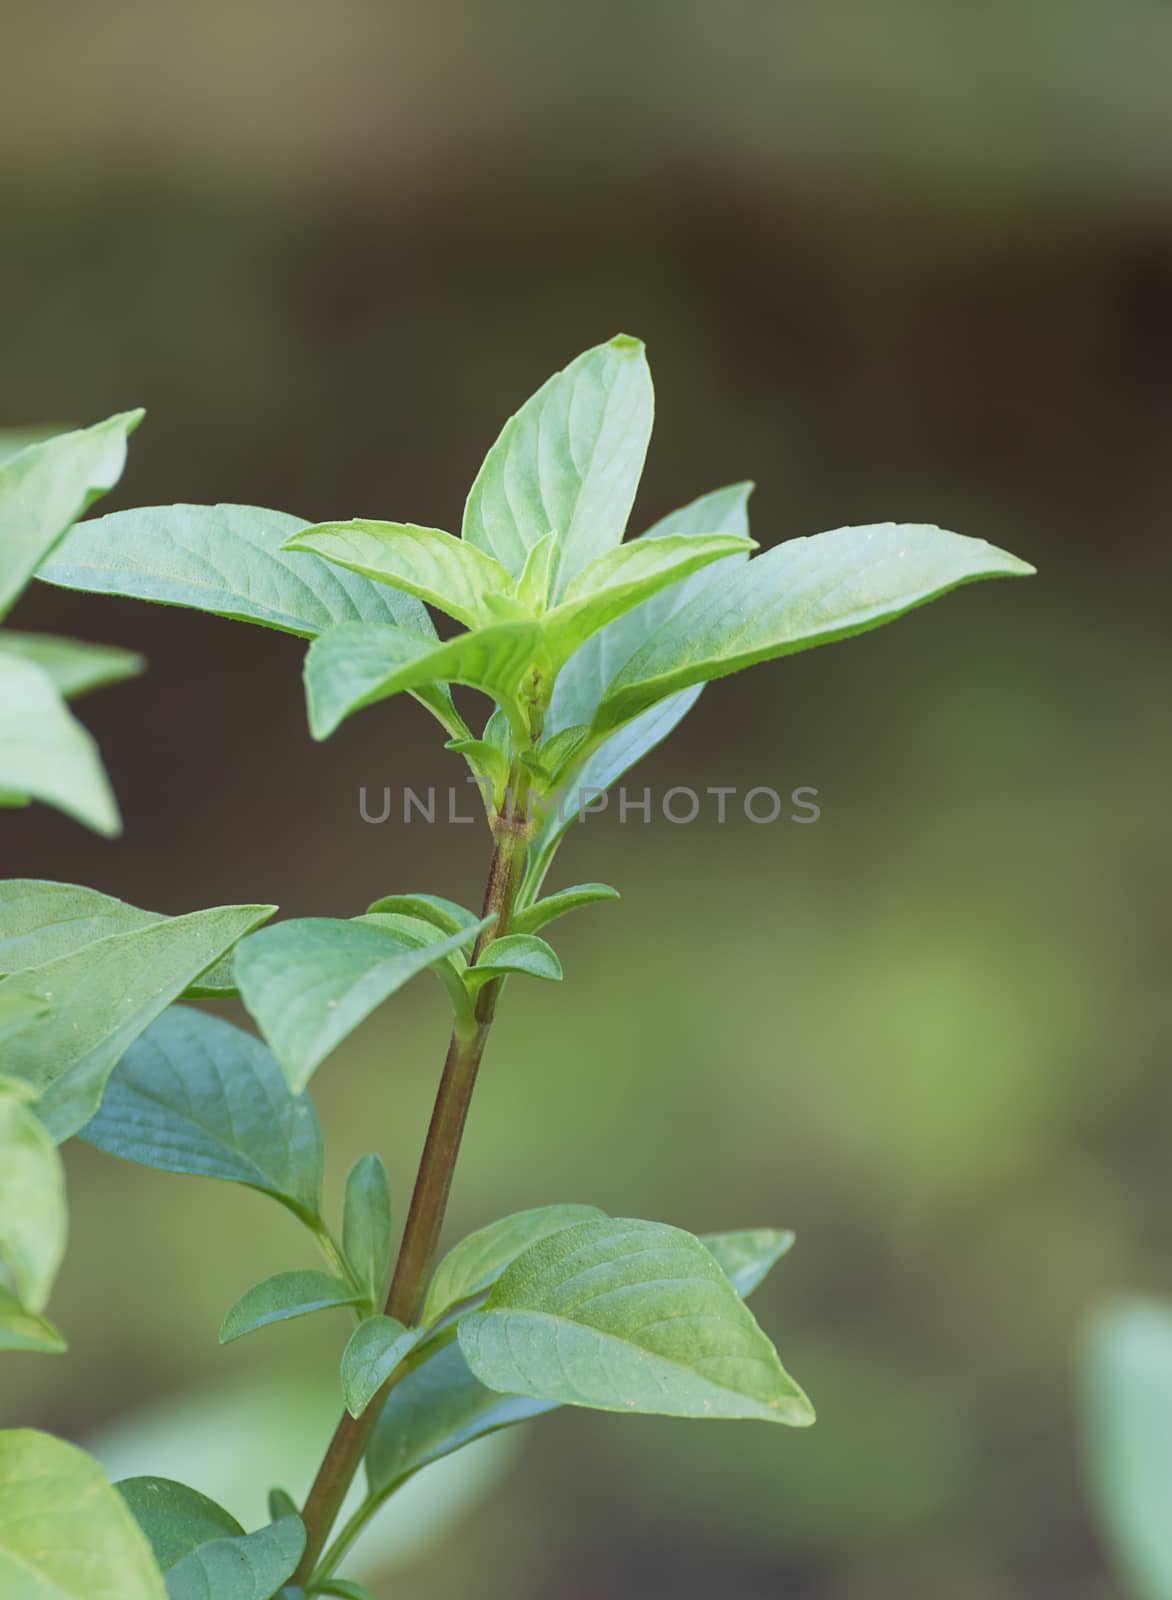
(434, 1182)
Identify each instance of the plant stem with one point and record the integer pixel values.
(433, 1183)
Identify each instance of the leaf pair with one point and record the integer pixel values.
(203, 1552)
(442, 1403)
(45, 753)
(103, 971)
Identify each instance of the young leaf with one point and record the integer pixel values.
(104, 996)
(22, 1330)
(568, 463)
(19, 1011)
(432, 1412)
(284, 1296)
(556, 905)
(196, 1095)
(800, 594)
(435, 1409)
(486, 764)
(533, 584)
(250, 1567)
(47, 486)
(229, 560)
(621, 1315)
(376, 1347)
(447, 573)
(175, 1519)
(746, 1257)
(65, 1533)
(515, 952)
(470, 1267)
(443, 914)
(343, 1589)
(33, 1218)
(1129, 1421)
(281, 1504)
(310, 982)
(14, 440)
(624, 577)
(46, 754)
(74, 668)
(357, 665)
(366, 1224)
(584, 679)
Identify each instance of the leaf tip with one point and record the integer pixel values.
(626, 343)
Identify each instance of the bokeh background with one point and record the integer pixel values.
(892, 262)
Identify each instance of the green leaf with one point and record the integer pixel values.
(65, 1533)
(800, 594)
(310, 982)
(252, 1567)
(584, 679)
(21, 1330)
(432, 1412)
(376, 1347)
(343, 1588)
(568, 463)
(621, 1315)
(229, 560)
(1128, 1407)
(175, 1519)
(41, 920)
(438, 1407)
(533, 584)
(745, 1257)
(281, 1504)
(46, 754)
(48, 486)
(487, 765)
(104, 996)
(515, 952)
(443, 914)
(196, 1095)
(556, 905)
(357, 665)
(470, 1267)
(33, 1216)
(284, 1296)
(445, 572)
(366, 1224)
(75, 668)
(626, 576)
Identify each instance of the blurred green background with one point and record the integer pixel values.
(891, 261)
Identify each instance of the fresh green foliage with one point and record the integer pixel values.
(284, 1296)
(366, 1225)
(33, 1218)
(516, 952)
(557, 905)
(376, 1347)
(176, 1520)
(589, 650)
(310, 982)
(568, 463)
(628, 1316)
(65, 1533)
(103, 995)
(194, 1094)
(45, 753)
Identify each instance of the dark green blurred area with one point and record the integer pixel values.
(890, 261)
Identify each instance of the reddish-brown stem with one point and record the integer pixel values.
(430, 1198)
